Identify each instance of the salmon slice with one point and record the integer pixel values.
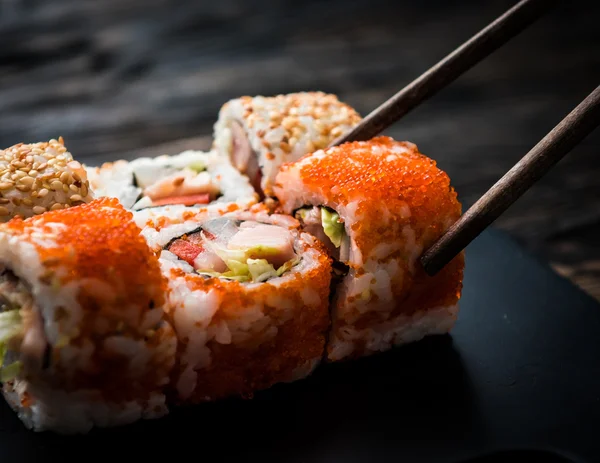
(189, 200)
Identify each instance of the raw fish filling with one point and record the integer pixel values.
(246, 251)
(169, 185)
(243, 157)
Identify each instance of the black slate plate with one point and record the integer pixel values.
(518, 380)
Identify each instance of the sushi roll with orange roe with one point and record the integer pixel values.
(377, 205)
(248, 298)
(83, 336)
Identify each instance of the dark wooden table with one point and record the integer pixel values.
(123, 78)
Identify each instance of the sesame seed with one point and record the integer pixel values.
(42, 166)
(16, 201)
(33, 173)
(4, 201)
(65, 188)
(65, 177)
(76, 177)
(43, 192)
(27, 181)
(39, 210)
(23, 188)
(4, 211)
(56, 185)
(28, 202)
(5, 185)
(75, 198)
(56, 207)
(84, 190)
(75, 165)
(73, 188)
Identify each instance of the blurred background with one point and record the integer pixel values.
(126, 78)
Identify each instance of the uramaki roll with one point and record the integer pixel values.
(377, 206)
(40, 177)
(261, 133)
(248, 298)
(83, 336)
(190, 178)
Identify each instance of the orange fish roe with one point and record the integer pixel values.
(268, 332)
(382, 175)
(395, 202)
(95, 252)
(98, 241)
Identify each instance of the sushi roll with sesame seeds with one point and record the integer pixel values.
(83, 338)
(376, 206)
(40, 177)
(190, 178)
(261, 133)
(248, 299)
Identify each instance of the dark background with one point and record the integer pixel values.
(124, 78)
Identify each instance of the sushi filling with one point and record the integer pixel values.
(243, 157)
(162, 185)
(246, 251)
(326, 225)
(16, 303)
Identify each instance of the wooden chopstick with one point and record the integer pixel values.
(449, 69)
(552, 148)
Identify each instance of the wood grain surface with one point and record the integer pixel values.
(123, 78)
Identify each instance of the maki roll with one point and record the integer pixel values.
(190, 178)
(248, 298)
(261, 133)
(83, 336)
(40, 177)
(376, 206)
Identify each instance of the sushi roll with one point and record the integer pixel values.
(40, 177)
(248, 298)
(261, 133)
(376, 206)
(190, 178)
(83, 337)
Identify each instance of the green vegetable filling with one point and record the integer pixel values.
(332, 226)
(197, 166)
(244, 267)
(11, 326)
